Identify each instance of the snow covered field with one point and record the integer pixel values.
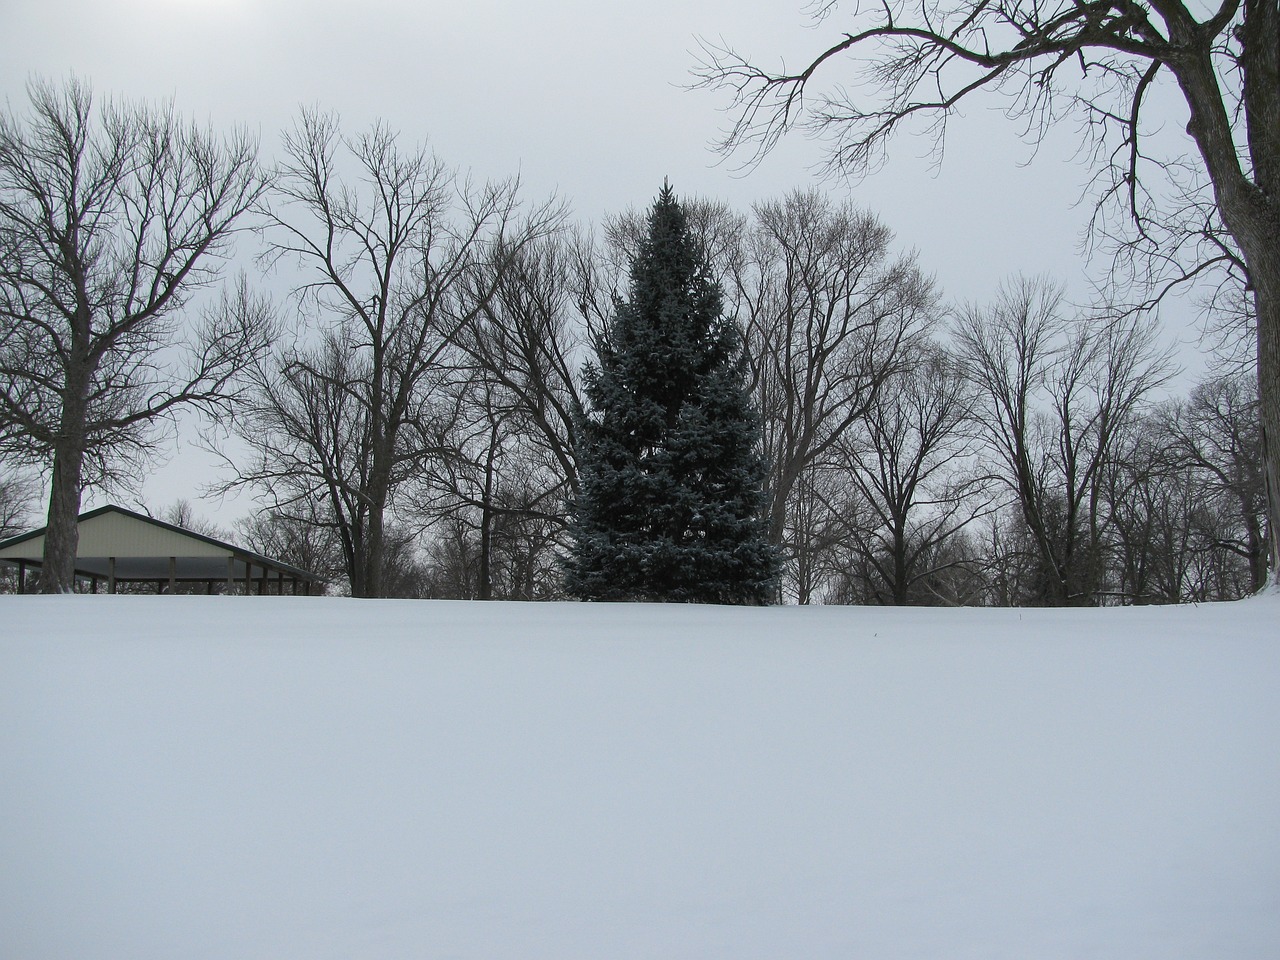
(324, 779)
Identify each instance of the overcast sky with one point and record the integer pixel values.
(582, 98)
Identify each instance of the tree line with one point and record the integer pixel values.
(409, 416)
(1178, 207)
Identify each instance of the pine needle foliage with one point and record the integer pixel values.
(671, 501)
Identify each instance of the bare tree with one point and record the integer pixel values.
(1055, 393)
(387, 240)
(17, 492)
(1153, 503)
(306, 542)
(823, 508)
(923, 60)
(1216, 433)
(496, 483)
(110, 218)
(516, 373)
(182, 514)
(453, 563)
(827, 312)
(909, 459)
(1180, 529)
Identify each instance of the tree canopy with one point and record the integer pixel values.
(671, 501)
(919, 61)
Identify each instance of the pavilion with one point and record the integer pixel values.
(118, 546)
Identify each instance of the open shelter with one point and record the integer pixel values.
(118, 546)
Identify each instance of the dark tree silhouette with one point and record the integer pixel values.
(110, 217)
(920, 61)
(388, 254)
(670, 495)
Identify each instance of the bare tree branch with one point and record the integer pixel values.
(111, 218)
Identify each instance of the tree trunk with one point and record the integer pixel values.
(1250, 211)
(1267, 304)
(486, 517)
(1255, 225)
(900, 565)
(62, 536)
(376, 543)
(1256, 543)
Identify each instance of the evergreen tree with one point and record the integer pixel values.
(671, 497)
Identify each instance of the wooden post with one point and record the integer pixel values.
(111, 574)
(22, 576)
(231, 574)
(173, 575)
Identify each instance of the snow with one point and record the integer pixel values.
(290, 778)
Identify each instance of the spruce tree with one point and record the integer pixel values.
(670, 502)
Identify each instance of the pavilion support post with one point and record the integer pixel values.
(248, 579)
(173, 575)
(231, 575)
(22, 576)
(111, 574)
